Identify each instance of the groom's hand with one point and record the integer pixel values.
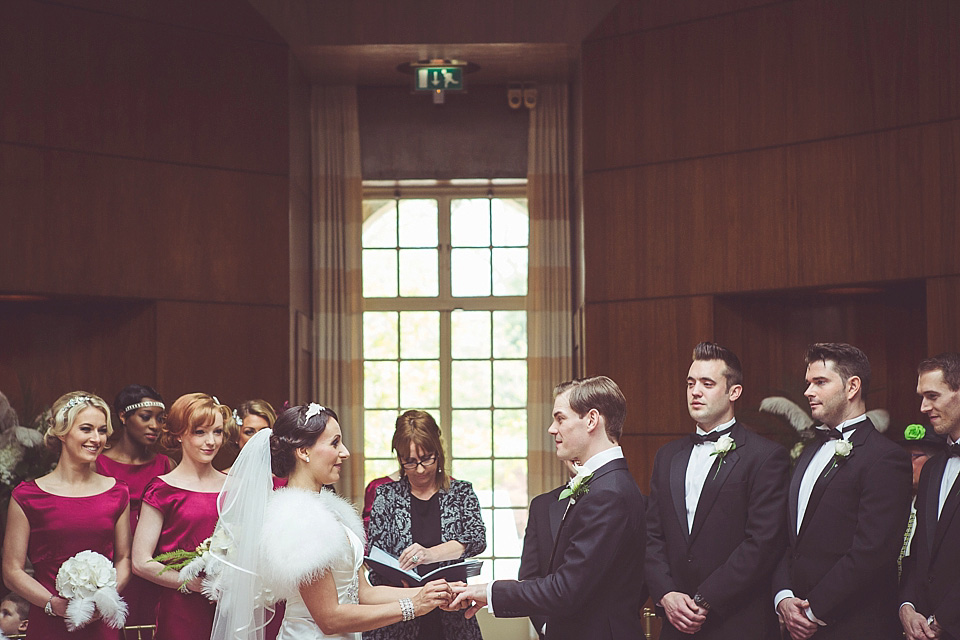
(682, 612)
(473, 596)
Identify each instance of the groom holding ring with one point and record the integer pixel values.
(595, 585)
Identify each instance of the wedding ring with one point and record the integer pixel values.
(415, 558)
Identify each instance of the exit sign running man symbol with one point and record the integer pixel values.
(439, 78)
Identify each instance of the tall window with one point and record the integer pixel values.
(445, 330)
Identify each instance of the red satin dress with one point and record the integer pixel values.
(60, 528)
(189, 518)
(141, 595)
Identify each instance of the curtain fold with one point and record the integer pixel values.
(337, 197)
(549, 301)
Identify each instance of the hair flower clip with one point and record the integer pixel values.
(313, 409)
(237, 418)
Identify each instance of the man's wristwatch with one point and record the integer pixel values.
(700, 602)
(48, 608)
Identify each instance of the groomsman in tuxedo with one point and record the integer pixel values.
(848, 503)
(931, 590)
(595, 581)
(716, 520)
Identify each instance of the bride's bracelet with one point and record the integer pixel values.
(407, 612)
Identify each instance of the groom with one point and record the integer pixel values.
(595, 585)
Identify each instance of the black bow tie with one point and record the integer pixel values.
(953, 450)
(713, 436)
(832, 434)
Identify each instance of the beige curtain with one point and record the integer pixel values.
(549, 307)
(337, 218)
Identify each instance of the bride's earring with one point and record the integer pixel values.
(308, 459)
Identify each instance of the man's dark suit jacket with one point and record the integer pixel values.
(738, 535)
(543, 523)
(595, 582)
(844, 559)
(933, 584)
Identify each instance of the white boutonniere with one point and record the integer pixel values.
(842, 449)
(578, 484)
(724, 445)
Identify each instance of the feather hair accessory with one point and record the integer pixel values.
(786, 408)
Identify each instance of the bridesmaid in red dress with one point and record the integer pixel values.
(132, 458)
(71, 509)
(179, 511)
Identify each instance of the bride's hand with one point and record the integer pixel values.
(432, 595)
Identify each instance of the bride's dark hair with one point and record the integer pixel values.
(293, 430)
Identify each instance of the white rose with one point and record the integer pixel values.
(842, 448)
(724, 444)
(582, 473)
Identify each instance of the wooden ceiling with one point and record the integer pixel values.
(363, 41)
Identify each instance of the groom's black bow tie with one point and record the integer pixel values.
(953, 450)
(713, 436)
(833, 434)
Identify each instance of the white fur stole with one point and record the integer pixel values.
(303, 538)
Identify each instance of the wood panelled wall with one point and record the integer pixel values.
(144, 164)
(741, 158)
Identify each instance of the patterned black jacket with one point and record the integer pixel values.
(389, 529)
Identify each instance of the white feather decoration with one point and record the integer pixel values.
(880, 419)
(112, 608)
(193, 569)
(79, 612)
(303, 538)
(784, 407)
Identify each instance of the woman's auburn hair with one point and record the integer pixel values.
(189, 412)
(418, 428)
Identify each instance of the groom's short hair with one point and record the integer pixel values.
(600, 393)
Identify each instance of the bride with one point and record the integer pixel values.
(301, 543)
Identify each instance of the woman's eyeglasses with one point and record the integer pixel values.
(427, 462)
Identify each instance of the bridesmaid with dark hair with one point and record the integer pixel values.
(71, 509)
(132, 458)
(179, 511)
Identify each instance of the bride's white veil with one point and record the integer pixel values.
(243, 609)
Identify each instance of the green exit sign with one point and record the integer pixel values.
(438, 78)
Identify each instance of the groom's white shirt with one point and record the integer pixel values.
(594, 463)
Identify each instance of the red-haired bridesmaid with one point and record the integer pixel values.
(179, 511)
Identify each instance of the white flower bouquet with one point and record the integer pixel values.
(88, 581)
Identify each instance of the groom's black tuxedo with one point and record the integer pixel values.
(595, 584)
(737, 538)
(844, 558)
(933, 585)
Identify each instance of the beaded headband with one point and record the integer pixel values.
(71, 403)
(145, 403)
